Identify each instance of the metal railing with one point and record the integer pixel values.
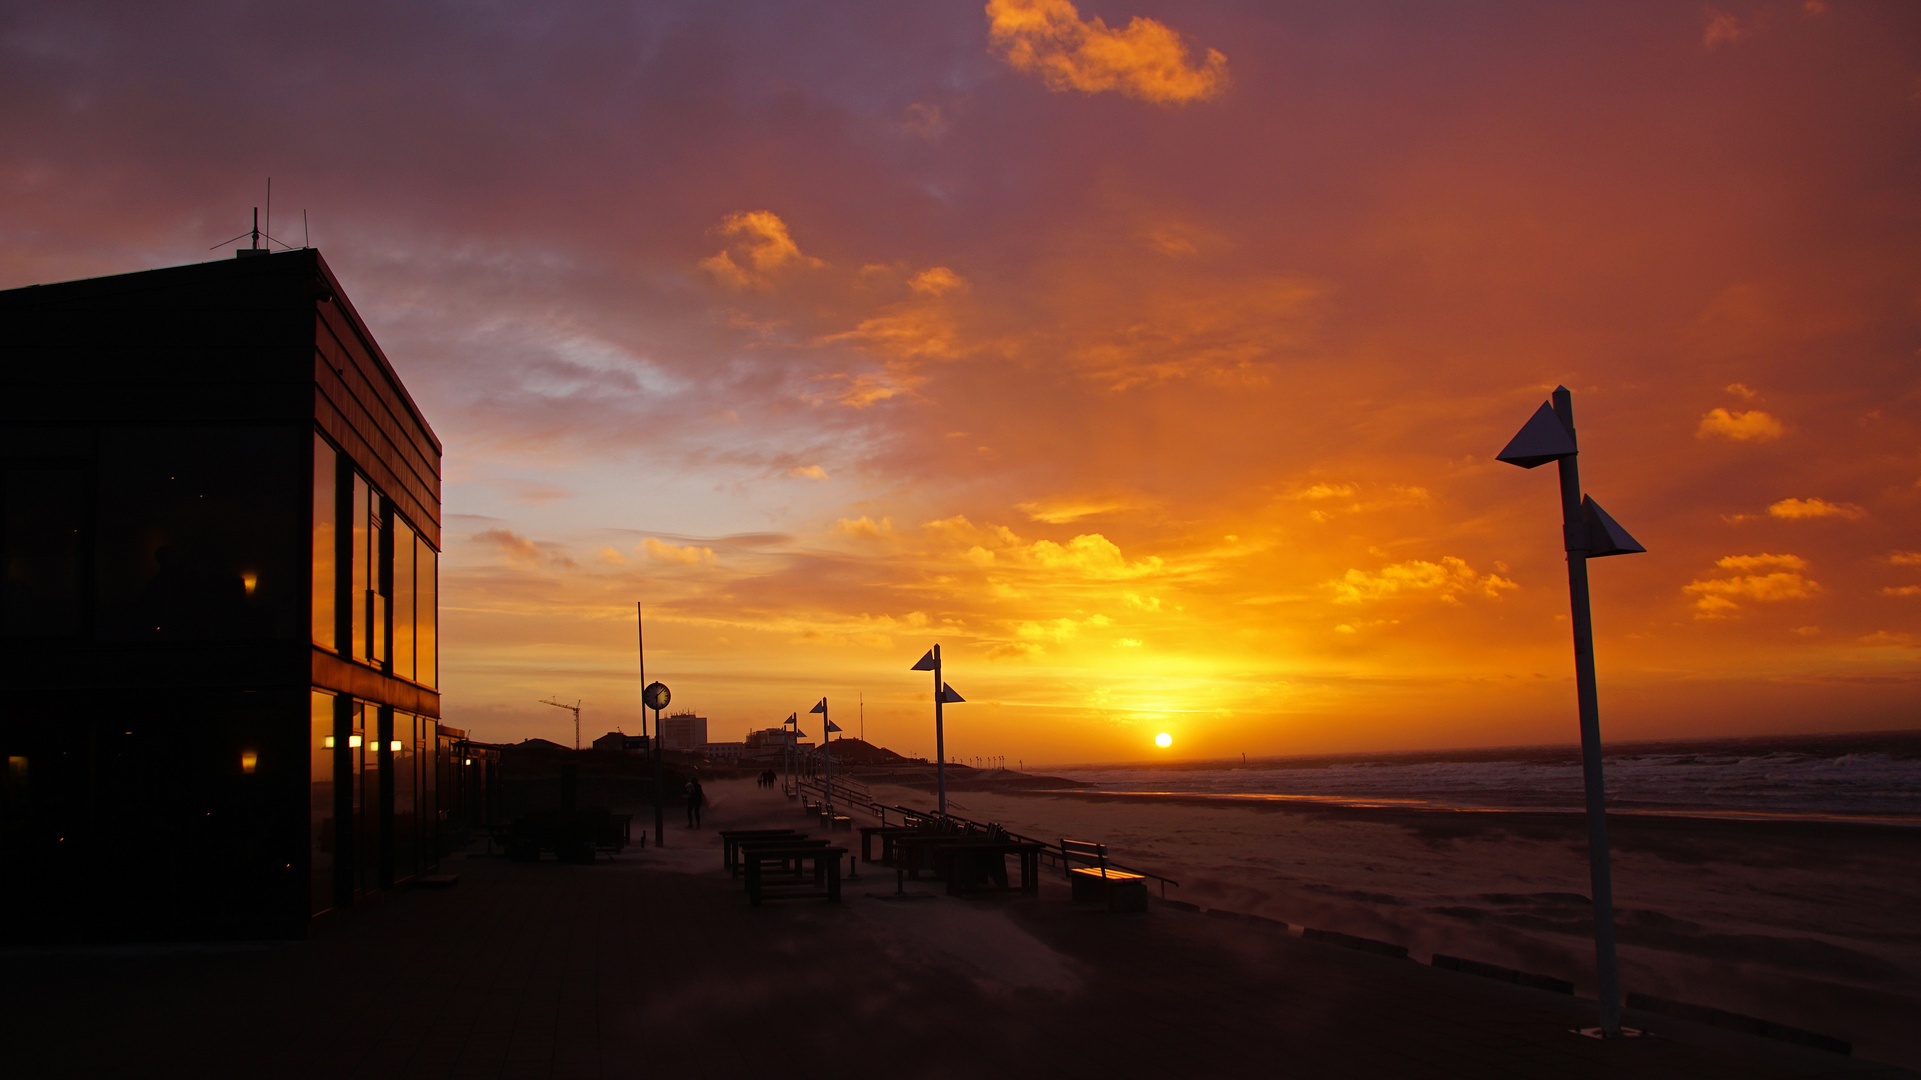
(846, 795)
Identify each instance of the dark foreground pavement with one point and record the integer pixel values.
(653, 965)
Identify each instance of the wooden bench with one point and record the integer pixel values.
(730, 840)
(762, 886)
(1098, 882)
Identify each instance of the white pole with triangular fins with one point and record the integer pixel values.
(1588, 533)
(943, 695)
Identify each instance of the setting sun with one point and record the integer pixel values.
(1163, 740)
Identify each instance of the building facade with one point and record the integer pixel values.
(683, 731)
(219, 690)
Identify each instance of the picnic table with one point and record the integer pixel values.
(730, 840)
(788, 881)
(747, 847)
(980, 865)
(887, 834)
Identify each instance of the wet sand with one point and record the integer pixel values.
(1810, 924)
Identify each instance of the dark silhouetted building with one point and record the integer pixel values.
(622, 742)
(219, 680)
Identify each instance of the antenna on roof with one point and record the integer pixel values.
(254, 233)
(269, 215)
(306, 238)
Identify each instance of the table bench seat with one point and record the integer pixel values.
(822, 884)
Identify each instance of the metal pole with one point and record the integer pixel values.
(826, 751)
(940, 737)
(1575, 532)
(660, 811)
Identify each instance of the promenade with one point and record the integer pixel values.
(653, 965)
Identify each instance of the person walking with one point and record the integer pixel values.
(695, 796)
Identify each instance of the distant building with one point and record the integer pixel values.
(772, 738)
(221, 532)
(628, 744)
(722, 751)
(683, 731)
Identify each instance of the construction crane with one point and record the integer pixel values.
(574, 708)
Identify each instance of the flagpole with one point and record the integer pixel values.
(827, 751)
(940, 737)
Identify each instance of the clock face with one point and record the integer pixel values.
(656, 696)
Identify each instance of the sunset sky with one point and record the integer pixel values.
(1150, 357)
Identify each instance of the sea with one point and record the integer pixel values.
(1871, 777)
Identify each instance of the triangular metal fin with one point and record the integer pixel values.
(1541, 440)
(948, 696)
(926, 663)
(1605, 535)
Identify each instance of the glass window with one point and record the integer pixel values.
(403, 599)
(44, 537)
(362, 495)
(379, 562)
(367, 798)
(427, 746)
(320, 800)
(406, 824)
(326, 545)
(427, 617)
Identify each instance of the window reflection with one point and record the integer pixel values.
(427, 626)
(406, 824)
(357, 648)
(403, 599)
(320, 800)
(326, 545)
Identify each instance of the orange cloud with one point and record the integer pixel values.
(865, 528)
(1062, 509)
(1800, 509)
(936, 280)
(687, 555)
(1144, 60)
(1446, 580)
(1722, 28)
(762, 241)
(808, 472)
(511, 544)
(1715, 597)
(1755, 426)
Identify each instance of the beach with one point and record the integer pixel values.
(652, 963)
(1806, 923)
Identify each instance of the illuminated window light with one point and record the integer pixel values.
(248, 759)
(353, 740)
(328, 742)
(470, 761)
(249, 579)
(394, 746)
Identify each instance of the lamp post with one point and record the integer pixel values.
(791, 730)
(656, 697)
(943, 694)
(1587, 533)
